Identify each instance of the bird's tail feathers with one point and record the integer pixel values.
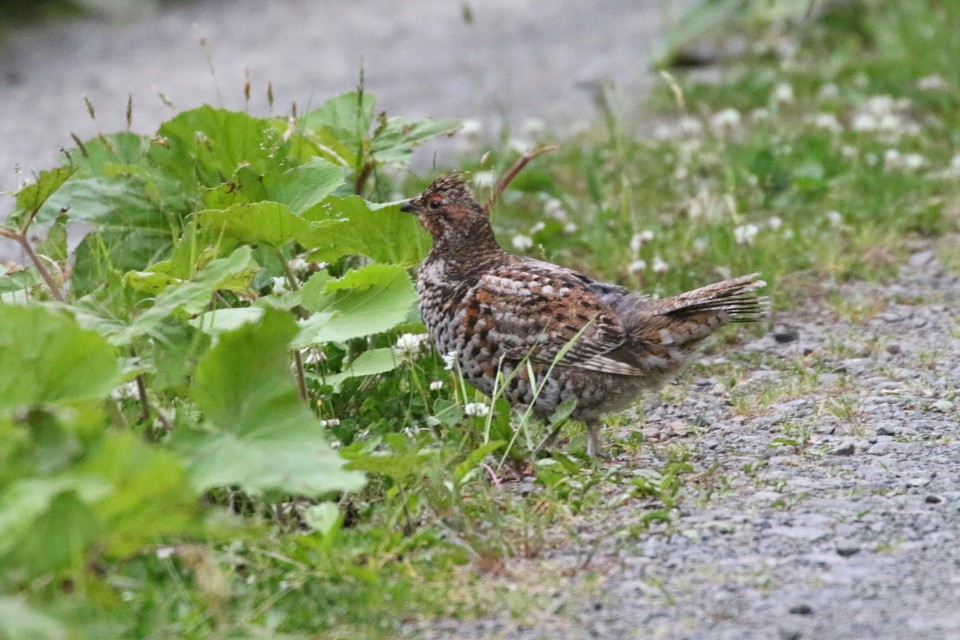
(736, 297)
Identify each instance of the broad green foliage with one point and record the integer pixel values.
(153, 364)
(41, 352)
(258, 434)
(368, 300)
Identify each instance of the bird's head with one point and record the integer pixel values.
(448, 210)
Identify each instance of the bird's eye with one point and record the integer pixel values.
(435, 202)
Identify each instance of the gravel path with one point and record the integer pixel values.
(852, 534)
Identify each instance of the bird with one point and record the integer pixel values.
(540, 333)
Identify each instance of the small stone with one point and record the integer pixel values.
(789, 634)
(801, 610)
(845, 449)
(650, 433)
(847, 551)
(933, 499)
(881, 448)
(894, 348)
(888, 428)
(918, 482)
(678, 428)
(921, 258)
(828, 379)
(784, 335)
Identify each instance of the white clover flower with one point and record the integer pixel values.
(449, 360)
(127, 390)
(436, 384)
(725, 119)
(570, 227)
(331, 422)
(298, 265)
(477, 409)
(553, 208)
(826, 121)
(955, 162)
(409, 344)
(890, 122)
(314, 356)
(745, 234)
(521, 242)
(483, 179)
(637, 240)
(829, 91)
(538, 227)
(835, 218)
(700, 245)
(880, 105)
(931, 83)
(278, 285)
(783, 93)
(534, 127)
(659, 266)
(913, 161)
(690, 126)
(637, 266)
(775, 223)
(865, 122)
(519, 145)
(760, 114)
(471, 128)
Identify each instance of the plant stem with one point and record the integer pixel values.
(301, 377)
(24, 242)
(517, 166)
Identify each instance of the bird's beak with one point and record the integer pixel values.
(407, 207)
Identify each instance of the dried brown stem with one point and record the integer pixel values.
(24, 242)
(516, 168)
(301, 378)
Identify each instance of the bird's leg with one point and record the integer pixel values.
(593, 438)
(551, 440)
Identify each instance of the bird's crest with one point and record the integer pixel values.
(452, 187)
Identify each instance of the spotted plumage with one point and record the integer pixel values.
(506, 317)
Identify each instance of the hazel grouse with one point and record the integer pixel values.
(510, 316)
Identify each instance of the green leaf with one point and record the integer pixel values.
(400, 462)
(25, 500)
(269, 223)
(58, 540)
(113, 201)
(475, 458)
(367, 363)
(151, 496)
(42, 355)
(19, 621)
(322, 517)
(304, 186)
(261, 435)
(220, 320)
(210, 145)
(396, 138)
(190, 297)
(342, 124)
(365, 301)
(103, 255)
(355, 226)
(32, 197)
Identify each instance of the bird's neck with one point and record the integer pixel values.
(465, 251)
